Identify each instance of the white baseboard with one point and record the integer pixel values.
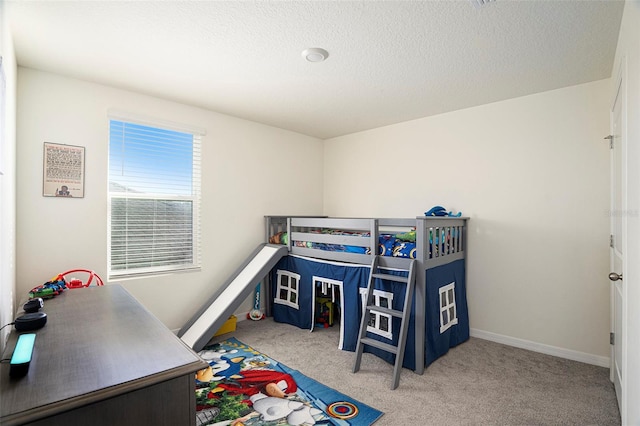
(601, 361)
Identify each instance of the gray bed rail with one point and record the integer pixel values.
(439, 240)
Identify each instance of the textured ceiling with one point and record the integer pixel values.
(389, 61)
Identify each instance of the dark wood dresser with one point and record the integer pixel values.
(101, 359)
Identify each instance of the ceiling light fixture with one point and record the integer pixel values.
(479, 3)
(315, 54)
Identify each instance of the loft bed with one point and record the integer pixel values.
(324, 276)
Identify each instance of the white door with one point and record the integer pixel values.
(618, 238)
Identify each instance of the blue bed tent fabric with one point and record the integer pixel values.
(354, 277)
(439, 343)
(436, 343)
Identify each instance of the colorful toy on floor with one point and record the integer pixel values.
(256, 314)
(324, 316)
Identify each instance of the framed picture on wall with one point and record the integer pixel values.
(63, 171)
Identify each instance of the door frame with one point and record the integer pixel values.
(620, 90)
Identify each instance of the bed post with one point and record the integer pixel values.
(373, 235)
(289, 237)
(420, 295)
(273, 225)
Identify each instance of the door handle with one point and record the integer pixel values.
(615, 276)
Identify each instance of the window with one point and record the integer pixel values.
(287, 290)
(448, 313)
(154, 200)
(379, 323)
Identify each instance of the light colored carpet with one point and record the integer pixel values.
(477, 383)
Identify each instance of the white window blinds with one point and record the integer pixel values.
(154, 200)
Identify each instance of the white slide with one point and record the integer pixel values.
(204, 324)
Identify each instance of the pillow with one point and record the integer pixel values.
(407, 236)
(385, 244)
(404, 249)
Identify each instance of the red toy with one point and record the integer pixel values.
(77, 283)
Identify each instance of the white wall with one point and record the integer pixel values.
(629, 48)
(533, 176)
(249, 170)
(532, 173)
(7, 181)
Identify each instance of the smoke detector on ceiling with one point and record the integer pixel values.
(315, 54)
(479, 3)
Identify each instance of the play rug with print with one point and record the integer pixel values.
(245, 387)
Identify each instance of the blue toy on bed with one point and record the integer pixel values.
(441, 211)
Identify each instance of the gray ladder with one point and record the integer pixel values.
(410, 281)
